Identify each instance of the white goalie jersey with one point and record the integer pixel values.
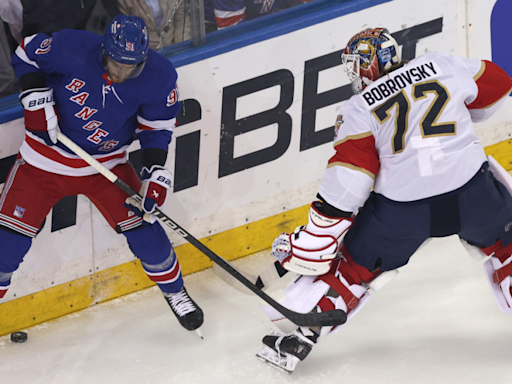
(410, 135)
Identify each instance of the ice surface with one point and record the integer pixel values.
(437, 322)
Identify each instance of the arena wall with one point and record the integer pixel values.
(248, 155)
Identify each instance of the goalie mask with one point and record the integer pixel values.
(368, 54)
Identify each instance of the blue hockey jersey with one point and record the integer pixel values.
(100, 116)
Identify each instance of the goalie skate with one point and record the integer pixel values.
(185, 309)
(284, 362)
(284, 351)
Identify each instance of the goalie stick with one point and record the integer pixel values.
(322, 319)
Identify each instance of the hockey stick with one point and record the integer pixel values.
(322, 319)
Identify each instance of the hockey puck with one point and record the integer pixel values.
(19, 337)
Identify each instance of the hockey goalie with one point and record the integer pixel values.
(408, 161)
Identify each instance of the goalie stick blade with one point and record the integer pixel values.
(323, 319)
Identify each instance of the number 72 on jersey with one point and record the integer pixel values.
(428, 123)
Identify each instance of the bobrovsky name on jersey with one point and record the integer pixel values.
(398, 82)
(187, 153)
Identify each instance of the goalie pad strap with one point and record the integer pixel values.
(325, 304)
(501, 252)
(502, 273)
(349, 273)
(347, 296)
(364, 273)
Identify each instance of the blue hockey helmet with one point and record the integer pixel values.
(368, 55)
(126, 43)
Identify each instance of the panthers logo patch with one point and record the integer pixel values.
(339, 121)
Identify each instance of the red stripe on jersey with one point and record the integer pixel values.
(360, 153)
(493, 84)
(229, 21)
(51, 154)
(3, 291)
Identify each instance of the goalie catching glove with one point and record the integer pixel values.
(40, 114)
(155, 183)
(311, 249)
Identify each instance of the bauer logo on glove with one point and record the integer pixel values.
(155, 183)
(41, 118)
(165, 180)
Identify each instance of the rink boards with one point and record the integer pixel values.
(250, 150)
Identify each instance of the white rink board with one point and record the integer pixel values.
(290, 181)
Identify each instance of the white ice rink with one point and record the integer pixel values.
(437, 322)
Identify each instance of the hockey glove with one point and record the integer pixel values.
(40, 114)
(311, 249)
(155, 183)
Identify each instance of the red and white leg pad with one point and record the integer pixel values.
(310, 292)
(301, 296)
(498, 275)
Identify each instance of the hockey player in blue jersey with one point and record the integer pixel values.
(101, 92)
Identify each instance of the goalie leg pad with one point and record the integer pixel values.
(382, 279)
(498, 270)
(500, 281)
(309, 293)
(302, 296)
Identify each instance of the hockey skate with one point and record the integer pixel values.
(185, 309)
(284, 351)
